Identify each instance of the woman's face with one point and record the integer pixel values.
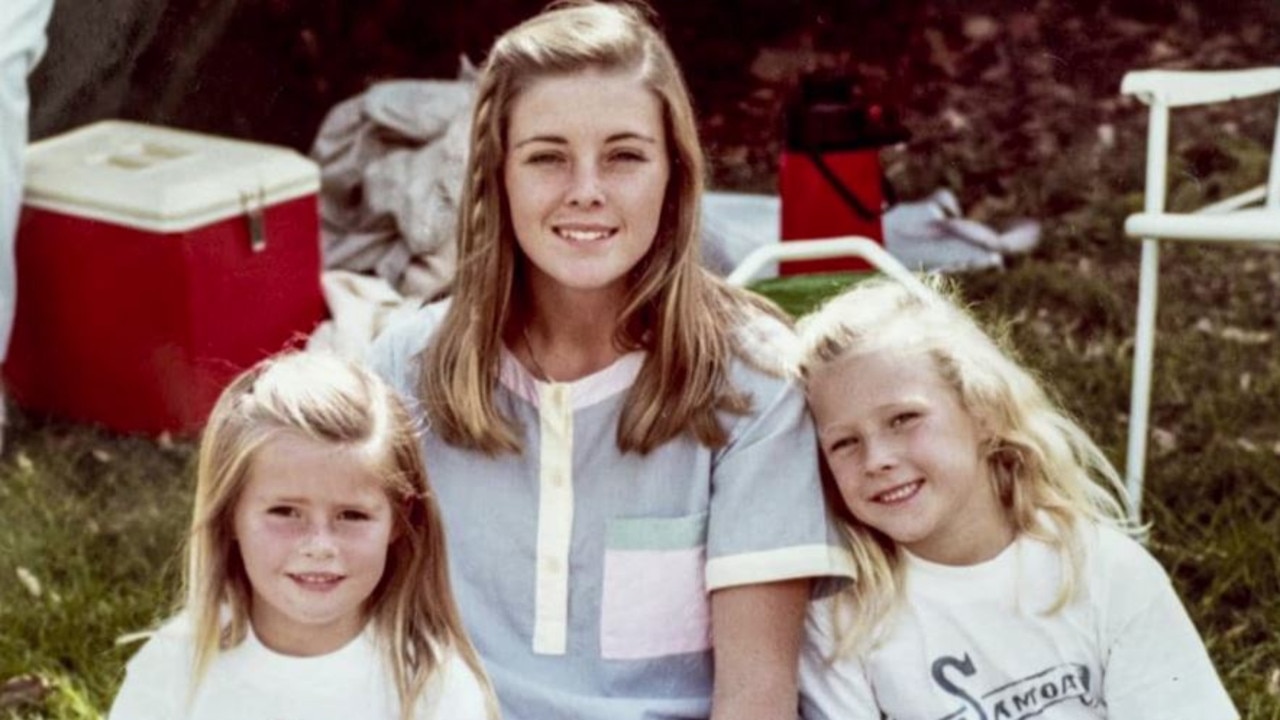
(586, 172)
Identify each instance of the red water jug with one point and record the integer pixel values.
(829, 176)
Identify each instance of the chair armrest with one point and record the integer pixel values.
(1176, 88)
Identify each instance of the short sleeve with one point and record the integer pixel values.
(831, 688)
(155, 682)
(462, 696)
(395, 352)
(1156, 665)
(767, 518)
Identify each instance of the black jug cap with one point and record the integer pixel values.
(827, 115)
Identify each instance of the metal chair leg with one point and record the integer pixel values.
(1143, 353)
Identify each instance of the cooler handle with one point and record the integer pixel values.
(254, 207)
(845, 193)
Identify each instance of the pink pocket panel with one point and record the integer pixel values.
(655, 604)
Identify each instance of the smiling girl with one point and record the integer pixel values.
(627, 473)
(996, 575)
(316, 582)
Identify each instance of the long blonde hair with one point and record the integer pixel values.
(1049, 475)
(674, 308)
(328, 400)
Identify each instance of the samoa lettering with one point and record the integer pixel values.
(1019, 700)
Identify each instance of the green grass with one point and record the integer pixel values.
(90, 529)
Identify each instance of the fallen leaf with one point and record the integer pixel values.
(29, 581)
(1107, 136)
(1163, 441)
(980, 28)
(939, 54)
(1233, 334)
(1245, 337)
(1246, 445)
(955, 120)
(23, 690)
(102, 456)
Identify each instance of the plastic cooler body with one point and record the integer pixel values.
(139, 329)
(813, 207)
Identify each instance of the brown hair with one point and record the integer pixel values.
(677, 311)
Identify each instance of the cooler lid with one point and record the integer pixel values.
(160, 179)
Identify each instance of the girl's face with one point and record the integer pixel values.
(586, 171)
(313, 525)
(907, 456)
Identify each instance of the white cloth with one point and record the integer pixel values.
(251, 682)
(360, 306)
(973, 643)
(927, 235)
(22, 43)
(392, 162)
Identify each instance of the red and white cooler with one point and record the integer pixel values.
(153, 265)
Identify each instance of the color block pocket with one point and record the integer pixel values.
(655, 595)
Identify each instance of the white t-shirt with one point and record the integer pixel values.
(252, 682)
(973, 643)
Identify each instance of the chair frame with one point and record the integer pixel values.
(1164, 90)
(762, 258)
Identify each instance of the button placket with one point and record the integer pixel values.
(555, 519)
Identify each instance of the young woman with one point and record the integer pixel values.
(996, 578)
(316, 579)
(628, 477)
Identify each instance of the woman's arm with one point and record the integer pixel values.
(756, 632)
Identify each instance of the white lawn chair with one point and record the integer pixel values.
(1232, 220)
(763, 258)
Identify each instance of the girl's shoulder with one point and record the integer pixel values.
(411, 332)
(396, 351)
(158, 674)
(464, 692)
(170, 640)
(1119, 571)
(1112, 551)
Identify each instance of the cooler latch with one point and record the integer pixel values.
(254, 207)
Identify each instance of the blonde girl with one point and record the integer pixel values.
(628, 476)
(996, 577)
(316, 583)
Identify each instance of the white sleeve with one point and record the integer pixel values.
(462, 697)
(155, 683)
(831, 688)
(1155, 665)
